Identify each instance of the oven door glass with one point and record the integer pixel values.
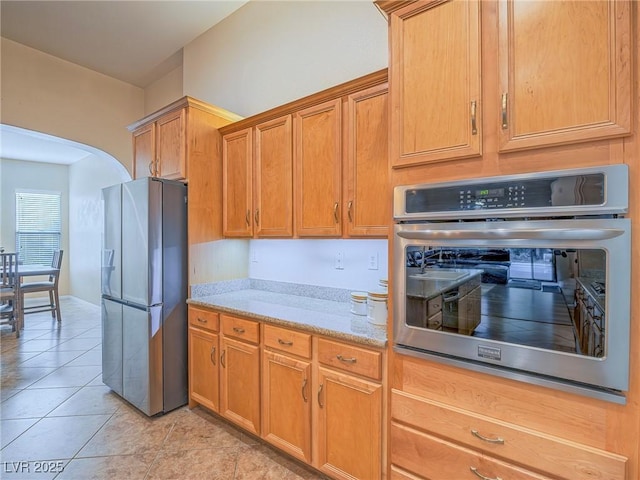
(547, 298)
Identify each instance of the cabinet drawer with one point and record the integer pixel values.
(289, 341)
(350, 359)
(240, 328)
(204, 319)
(507, 441)
(431, 457)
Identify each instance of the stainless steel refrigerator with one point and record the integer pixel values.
(144, 292)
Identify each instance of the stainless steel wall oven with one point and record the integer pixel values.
(523, 276)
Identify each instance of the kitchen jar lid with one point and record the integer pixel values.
(359, 295)
(378, 295)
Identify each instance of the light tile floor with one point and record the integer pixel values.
(58, 420)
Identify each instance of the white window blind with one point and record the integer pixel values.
(38, 226)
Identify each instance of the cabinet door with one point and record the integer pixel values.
(203, 368)
(240, 384)
(564, 72)
(144, 151)
(286, 407)
(273, 214)
(367, 193)
(349, 426)
(318, 165)
(435, 73)
(237, 157)
(171, 146)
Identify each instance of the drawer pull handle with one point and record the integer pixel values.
(247, 218)
(346, 360)
(479, 475)
(505, 122)
(474, 127)
(212, 355)
(319, 394)
(238, 329)
(487, 439)
(349, 205)
(285, 342)
(304, 393)
(224, 352)
(202, 320)
(335, 212)
(151, 168)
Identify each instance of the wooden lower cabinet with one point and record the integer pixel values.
(240, 383)
(436, 459)
(349, 433)
(447, 423)
(317, 399)
(203, 369)
(286, 396)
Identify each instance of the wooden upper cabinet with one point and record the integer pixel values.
(144, 139)
(565, 72)
(237, 177)
(435, 74)
(159, 148)
(171, 159)
(317, 167)
(367, 198)
(273, 186)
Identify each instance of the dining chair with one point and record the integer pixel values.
(10, 292)
(50, 286)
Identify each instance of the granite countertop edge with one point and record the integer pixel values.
(220, 303)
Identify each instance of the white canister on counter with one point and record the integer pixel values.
(359, 303)
(377, 307)
(383, 283)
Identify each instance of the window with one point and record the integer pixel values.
(38, 226)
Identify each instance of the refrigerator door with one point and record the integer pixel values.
(112, 242)
(142, 242)
(142, 358)
(112, 345)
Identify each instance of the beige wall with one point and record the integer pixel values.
(272, 52)
(43, 93)
(86, 180)
(163, 91)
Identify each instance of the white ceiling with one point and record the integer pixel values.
(137, 42)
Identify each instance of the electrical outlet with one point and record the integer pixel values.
(254, 255)
(373, 261)
(339, 261)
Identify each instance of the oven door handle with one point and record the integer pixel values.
(514, 234)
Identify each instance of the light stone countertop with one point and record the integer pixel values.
(325, 317)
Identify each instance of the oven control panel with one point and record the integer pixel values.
(586, 191)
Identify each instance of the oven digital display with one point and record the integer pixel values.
(490, 192)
